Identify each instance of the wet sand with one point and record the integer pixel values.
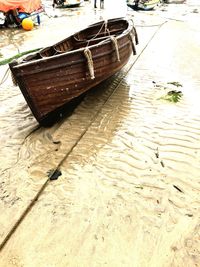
(129, 190)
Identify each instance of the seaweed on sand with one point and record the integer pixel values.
(173, 96)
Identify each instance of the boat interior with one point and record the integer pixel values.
(94, 34)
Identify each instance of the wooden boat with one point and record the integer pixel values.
(55, 75)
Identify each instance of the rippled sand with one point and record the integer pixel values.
(129, 190)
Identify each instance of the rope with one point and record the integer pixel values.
(134, 32)
(106, 27)
(136, 36)
(88, 56)
(104, 23)
(132, 43)
(114, 41)
(5, 77)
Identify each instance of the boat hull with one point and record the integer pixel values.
(51, 82)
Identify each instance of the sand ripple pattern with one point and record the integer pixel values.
(141, 174)
(129, 191)
(29, 152)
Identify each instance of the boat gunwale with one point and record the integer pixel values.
(65, 64)
(107, 40)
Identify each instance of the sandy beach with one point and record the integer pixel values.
(129, 190)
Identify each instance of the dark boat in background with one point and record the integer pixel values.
(67, 3)
(145, 5)
(55, 75)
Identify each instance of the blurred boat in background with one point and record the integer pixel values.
(14, 11)
(67, 3)
(142, 4)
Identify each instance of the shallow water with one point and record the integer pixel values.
(129, 190)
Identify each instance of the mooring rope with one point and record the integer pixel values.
(133, 44)
(134, 31)
(136, 35)
(114, 41)
(88, 56)
(5, 77)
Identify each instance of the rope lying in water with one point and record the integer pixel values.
(5, 77)
(88, 56)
